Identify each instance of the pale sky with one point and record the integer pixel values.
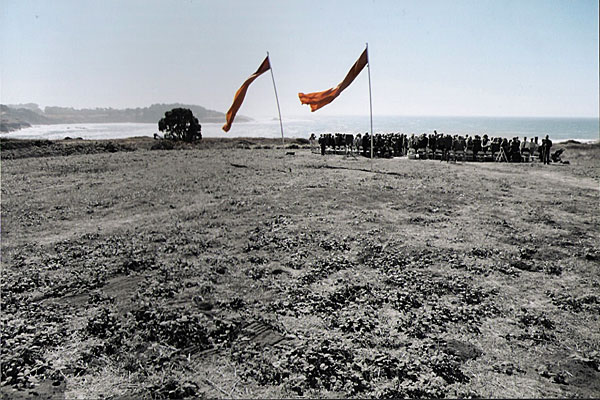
(448, 57)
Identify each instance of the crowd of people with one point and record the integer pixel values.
(440, 146)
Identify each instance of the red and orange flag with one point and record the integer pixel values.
(320, 99)
(238, 99)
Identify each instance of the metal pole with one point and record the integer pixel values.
(276, 99)
(370, 101)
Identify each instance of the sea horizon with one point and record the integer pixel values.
(586, 129)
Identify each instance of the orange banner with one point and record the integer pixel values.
(238, 99)
(320, 99)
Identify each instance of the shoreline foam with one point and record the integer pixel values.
(559, 129)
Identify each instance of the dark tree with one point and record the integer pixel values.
(180, 124)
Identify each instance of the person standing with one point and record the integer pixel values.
(358, 143)
(433, 144)
(366, 145)
(524, 145)
(546, 146)
(532, 148)
(322, 144)
(313, 142)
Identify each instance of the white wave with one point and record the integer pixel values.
(560, 130)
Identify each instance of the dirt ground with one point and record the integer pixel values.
(231, 269)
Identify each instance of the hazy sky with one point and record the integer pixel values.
(492, 58)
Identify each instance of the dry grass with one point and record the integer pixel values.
(139, 270)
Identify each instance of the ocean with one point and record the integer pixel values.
(559, 129)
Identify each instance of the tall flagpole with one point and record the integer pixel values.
(277, 99)
(370, 102)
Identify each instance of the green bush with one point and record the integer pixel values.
(180, 124)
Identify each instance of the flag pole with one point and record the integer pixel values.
(370, 101)
(276, 99)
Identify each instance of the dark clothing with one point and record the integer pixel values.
(546, 146)
(432, 143)
(556, 156)
(515, 150)
(322, 143)
(476, 147)
(366, 145)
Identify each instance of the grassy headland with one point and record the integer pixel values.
(228, 269)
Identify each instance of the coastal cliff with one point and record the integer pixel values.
(15, 117)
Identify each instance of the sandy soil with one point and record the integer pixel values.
(230, 269)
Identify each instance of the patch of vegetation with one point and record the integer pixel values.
(180, 124)
(566, 301)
